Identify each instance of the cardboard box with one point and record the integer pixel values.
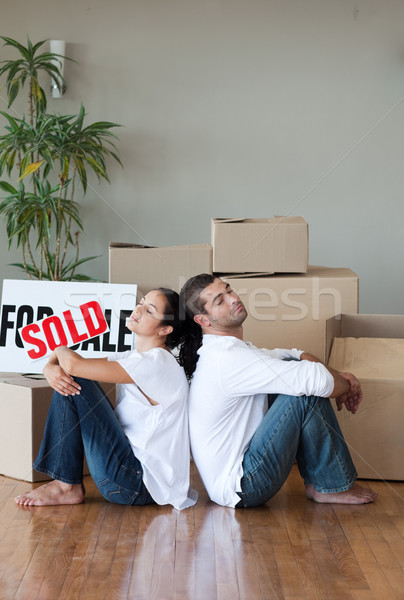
(277, 245)
(371, 347)
(290, 311)
(24, 405)
(157, 267)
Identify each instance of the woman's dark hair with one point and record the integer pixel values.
(192, 304)
(172, 317)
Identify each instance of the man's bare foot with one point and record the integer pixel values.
(52, 493)
(355, 495)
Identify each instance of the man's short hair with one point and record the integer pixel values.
(191, 293)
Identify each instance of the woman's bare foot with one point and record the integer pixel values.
(355, 495)
(52, 493)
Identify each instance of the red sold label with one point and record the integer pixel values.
(64, 330)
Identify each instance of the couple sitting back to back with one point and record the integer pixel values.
(252, 412)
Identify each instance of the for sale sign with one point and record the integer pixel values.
(38, 316)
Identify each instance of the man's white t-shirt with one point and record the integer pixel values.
(157, 433)
(228, 400)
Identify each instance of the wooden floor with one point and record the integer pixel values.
(290, 548)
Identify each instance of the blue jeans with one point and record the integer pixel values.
(301, 428)
(86, 423)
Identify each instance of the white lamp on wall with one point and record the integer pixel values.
(58, 47)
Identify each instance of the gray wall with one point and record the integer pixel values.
(240, 108)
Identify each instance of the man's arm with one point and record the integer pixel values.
(245, 370)
(347, 388)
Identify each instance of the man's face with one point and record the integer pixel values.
(223, 307)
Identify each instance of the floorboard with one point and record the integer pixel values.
(289, 549)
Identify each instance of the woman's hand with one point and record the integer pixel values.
(59, 380)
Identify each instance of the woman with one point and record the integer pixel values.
(138, 454)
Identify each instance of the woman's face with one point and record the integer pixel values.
(147, 316)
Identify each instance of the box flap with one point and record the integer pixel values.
(127, 245)
(369, 358)
(23, 381)
(256, 220)
(332, 330)
(322, 273)
(385, 326)
(363, 326)
(142, 247)
(235, 220)
(243, 275)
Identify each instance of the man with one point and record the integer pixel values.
(253, 412)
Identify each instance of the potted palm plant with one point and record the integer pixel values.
(45, 157)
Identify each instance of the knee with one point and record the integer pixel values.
(85, 384)
(82, 380)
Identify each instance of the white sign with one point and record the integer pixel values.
(37, 316)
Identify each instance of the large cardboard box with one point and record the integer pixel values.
(24, 405)
(372, 347)
(290, 311)
(157, 267)
(277, 245)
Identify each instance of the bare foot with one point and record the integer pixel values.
(355, 495)
(52, 493)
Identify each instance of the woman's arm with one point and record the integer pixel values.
(58, 379)
(97, 369)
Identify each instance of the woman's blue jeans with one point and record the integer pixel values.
(302, 428)
(86, 423)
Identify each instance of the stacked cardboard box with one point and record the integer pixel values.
(278, 245)
(372, 347)
(290, 311)
(151, 267)
(288, 301)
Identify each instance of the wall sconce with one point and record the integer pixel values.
(58, 47)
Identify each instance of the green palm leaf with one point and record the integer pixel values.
(46, 154)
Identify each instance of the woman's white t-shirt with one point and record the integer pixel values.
(157, 433)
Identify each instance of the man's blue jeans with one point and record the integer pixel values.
(86, 423)
(296, 428)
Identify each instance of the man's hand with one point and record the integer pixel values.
(353, 397)
(59, 380)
